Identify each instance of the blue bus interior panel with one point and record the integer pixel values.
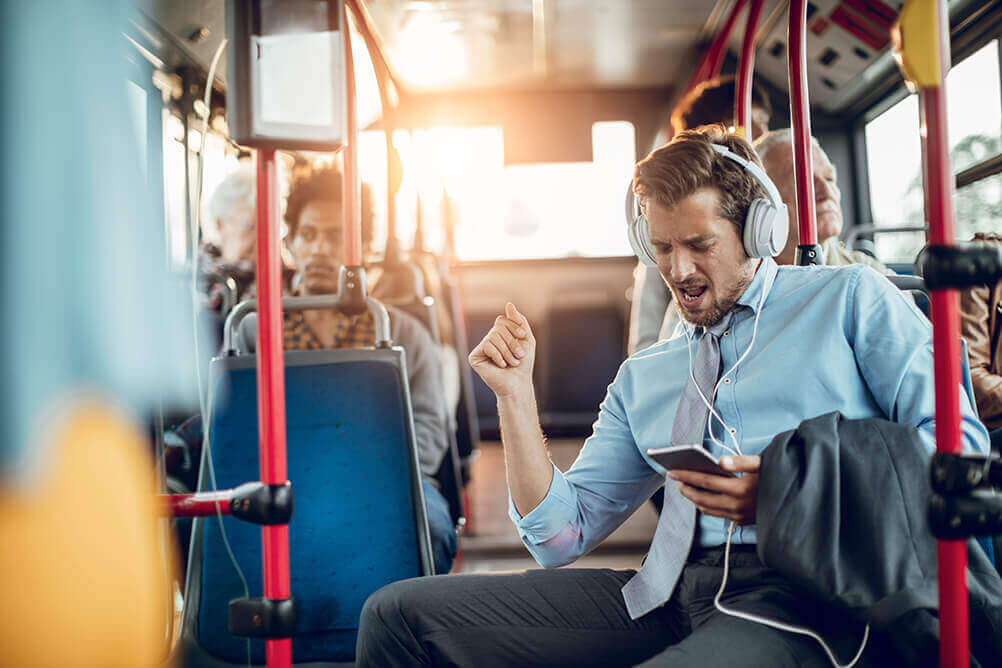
(358, 522)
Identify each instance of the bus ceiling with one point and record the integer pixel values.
(503, 63)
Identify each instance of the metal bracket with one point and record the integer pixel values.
(263, 617)
(977, 514)
(959, 267)
(259, 503)
(951, 473)
(809, 254)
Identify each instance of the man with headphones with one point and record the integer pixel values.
(747, 369)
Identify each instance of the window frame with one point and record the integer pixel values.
(970, 34)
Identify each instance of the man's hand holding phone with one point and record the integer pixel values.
(715, 490)
(730, 497)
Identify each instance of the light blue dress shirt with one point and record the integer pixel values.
(829, 339)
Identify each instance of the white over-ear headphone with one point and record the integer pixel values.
(766, 225)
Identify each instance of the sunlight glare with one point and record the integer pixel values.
(430, 51)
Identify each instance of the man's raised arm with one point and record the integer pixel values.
(504, 359)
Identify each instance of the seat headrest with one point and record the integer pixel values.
(246, 339)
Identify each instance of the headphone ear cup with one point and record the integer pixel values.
(644, 236)
(766, 229)
(780, 229)
(637, 231)
(640, 242)
(758, 229)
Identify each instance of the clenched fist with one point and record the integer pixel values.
(505, 357)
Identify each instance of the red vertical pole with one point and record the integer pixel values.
(803, 169)
(713, 59)
(746, 71)
(271, 391)
(951, 554)
(350, 183)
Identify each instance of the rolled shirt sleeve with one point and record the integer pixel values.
(605, 485)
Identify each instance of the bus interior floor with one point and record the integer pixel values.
(491, 543)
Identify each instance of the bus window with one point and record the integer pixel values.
(545, 210)
(894, 157)
(372, 169)
(367, 100)
(974, 113)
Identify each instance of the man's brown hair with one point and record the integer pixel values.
(689, 163)
(713, 102)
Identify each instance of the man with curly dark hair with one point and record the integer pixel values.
(315, 220)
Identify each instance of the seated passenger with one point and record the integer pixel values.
(776, 153)
(232, 220)
(713, 102)
(981, 326)
(750, 319)
(314, 218)
(775, 150)
(710, 102)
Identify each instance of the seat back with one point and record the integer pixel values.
(359, 521)
(574, 387)
(423, 309)
(449, 474)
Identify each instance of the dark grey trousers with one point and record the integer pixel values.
(577, 617)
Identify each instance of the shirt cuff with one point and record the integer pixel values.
(557, 509)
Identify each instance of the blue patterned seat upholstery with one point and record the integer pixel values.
(358, 521)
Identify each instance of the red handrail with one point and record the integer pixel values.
(746, 71)
(803, 169)
(351, 186)
(938, 178)
(271, 391)
(713, 58)
(922, 41)
(203, 504)
(384, 80)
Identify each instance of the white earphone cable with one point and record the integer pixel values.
(782, 626)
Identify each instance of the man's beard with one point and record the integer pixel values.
(711, 317)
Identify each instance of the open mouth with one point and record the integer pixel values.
(692, 297)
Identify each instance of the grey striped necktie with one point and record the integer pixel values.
(652, 586)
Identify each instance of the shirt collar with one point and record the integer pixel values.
(765, 276)
(763, 281)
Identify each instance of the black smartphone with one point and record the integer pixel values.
(689, 458)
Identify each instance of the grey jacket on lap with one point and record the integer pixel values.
(842, 510)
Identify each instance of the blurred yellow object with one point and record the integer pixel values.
(84, 581)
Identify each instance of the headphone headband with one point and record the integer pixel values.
(763, 179)
(766, 225)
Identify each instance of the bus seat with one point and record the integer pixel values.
(449, 475)
(359, 521)
(575, 389)
(422, 308)
(915, 286)
(467, 423)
